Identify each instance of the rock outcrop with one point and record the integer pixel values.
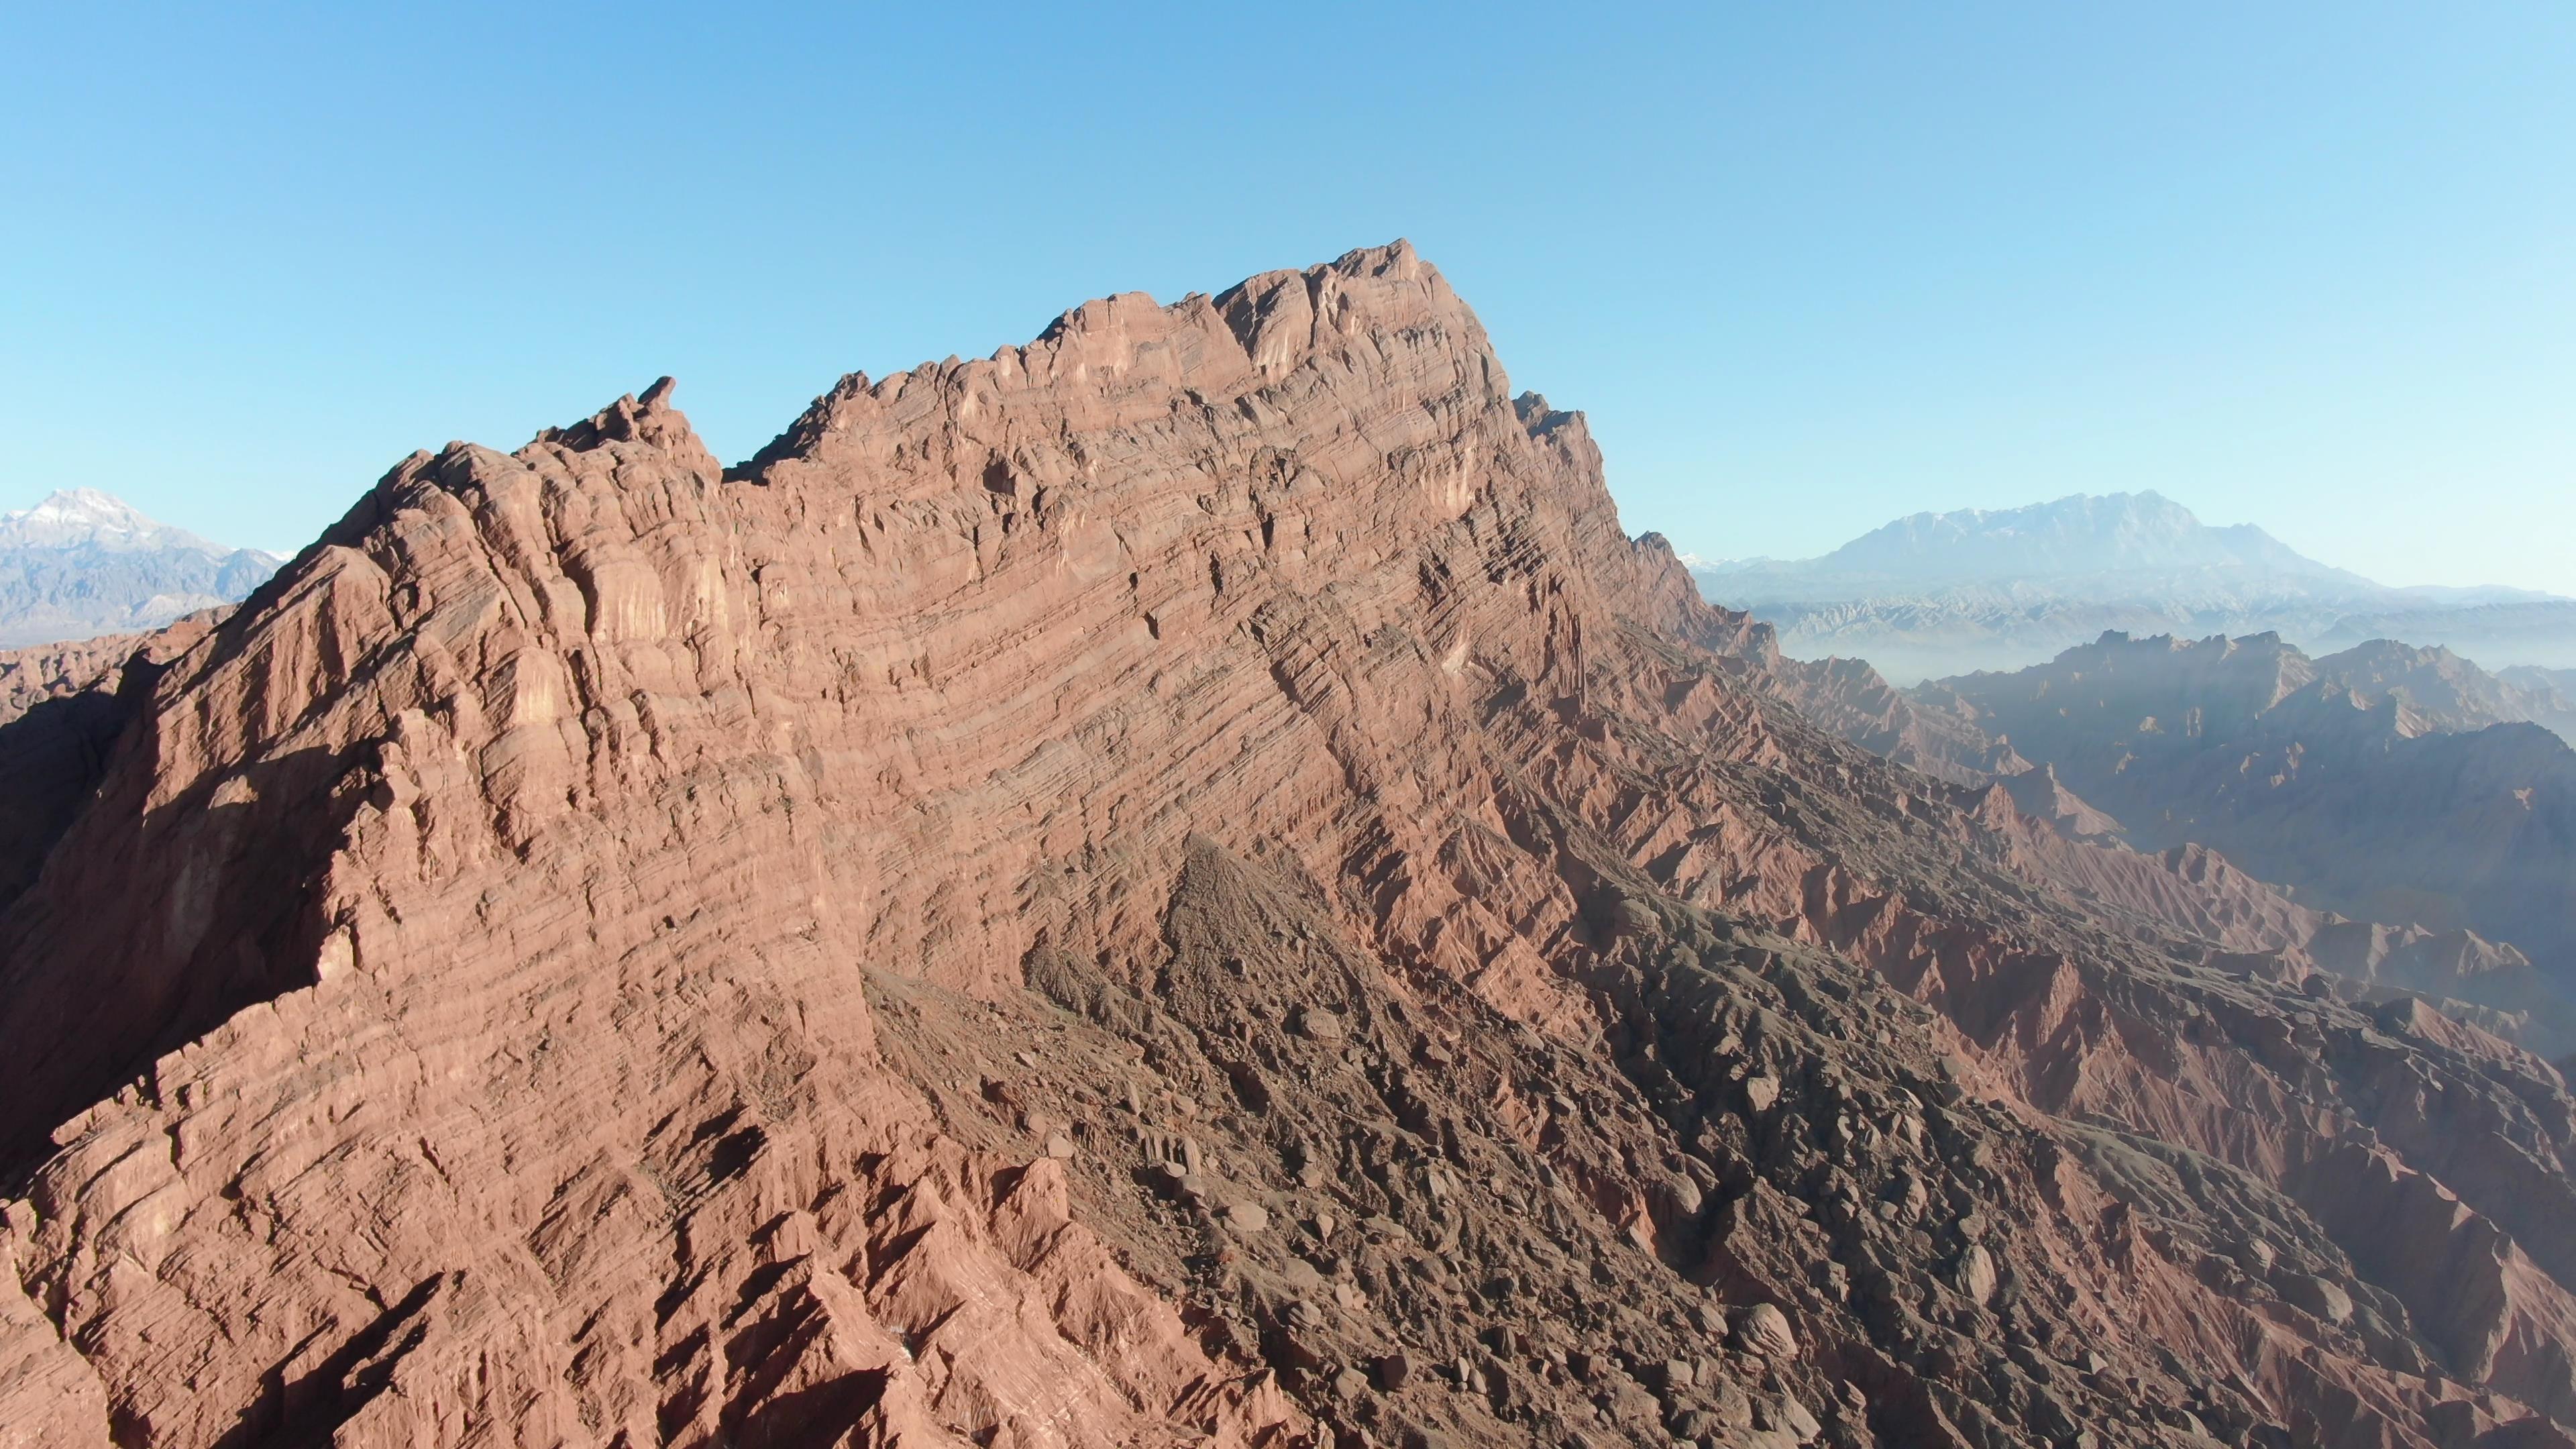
(1184, 883)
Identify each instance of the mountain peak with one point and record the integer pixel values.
(85, 505)
(1183, 883)
(1104, 358)
(2092, 508)
(1945, 593)
(648, 418)
(78, 517)
(2081, 534)
(83, 562)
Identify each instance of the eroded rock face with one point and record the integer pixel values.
(1180, 884)
(62, 709)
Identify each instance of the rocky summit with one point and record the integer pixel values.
(1183, 884)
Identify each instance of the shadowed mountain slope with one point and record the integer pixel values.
(2387, 783)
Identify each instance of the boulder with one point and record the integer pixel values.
(1974, 1274)
(1763, 1331)
(2316, 1295)
(1392, 1371)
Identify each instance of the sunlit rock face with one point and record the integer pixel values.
(1182, 884)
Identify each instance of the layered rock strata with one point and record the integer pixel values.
(1184, 883)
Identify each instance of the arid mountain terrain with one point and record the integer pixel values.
(2416, 808)
(2441, 691)
(1936, 594)
(82, 564)
(2510, 633)
(1180, 884)
(2385, 782)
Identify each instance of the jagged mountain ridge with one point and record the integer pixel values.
(1180, 884)
(2388, 783)
(1950, 593)
(83, 563)
(2444, 692)
(2169, 878)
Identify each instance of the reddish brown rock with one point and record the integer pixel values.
(606, 949)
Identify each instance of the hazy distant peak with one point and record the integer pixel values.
(1933, 594)
(78, 517)
(2095, 548)
(2080, 534)
(83, 563)
(2148, 509)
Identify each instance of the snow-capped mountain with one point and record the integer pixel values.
(83, 563)
(2089, 545)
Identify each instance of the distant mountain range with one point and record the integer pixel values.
(2388, 784)
(2395, 816)
(2530, 676)
(1948, 593)
(84, 563)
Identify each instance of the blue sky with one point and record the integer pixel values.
(1807, 267)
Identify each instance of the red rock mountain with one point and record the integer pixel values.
(1182, 884)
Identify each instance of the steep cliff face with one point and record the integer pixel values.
(1182, 883)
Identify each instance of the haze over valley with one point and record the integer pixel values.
(1935, 594)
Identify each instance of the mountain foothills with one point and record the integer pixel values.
(2383, 784)
(82, 563)
(1179, 884)
(1948, 593)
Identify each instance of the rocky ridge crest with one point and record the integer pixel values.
(1184, 883)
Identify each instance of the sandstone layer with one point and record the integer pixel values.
(1184, 883)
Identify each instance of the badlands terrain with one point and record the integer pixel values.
(1185, 883)
(2386, 782)
(2395, 816)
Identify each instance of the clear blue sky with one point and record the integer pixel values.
(1808, 267)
